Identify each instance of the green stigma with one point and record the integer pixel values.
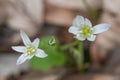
(86, 31)
(30, 50)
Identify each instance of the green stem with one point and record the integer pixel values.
(67, 46)
(79, 56)
(76, 48)
(92, 12)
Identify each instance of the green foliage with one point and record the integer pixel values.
(56, 57)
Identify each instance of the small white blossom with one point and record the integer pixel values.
(82, 29)
(29, 50)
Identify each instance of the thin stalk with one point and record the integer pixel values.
(67, 46)
(78, 56)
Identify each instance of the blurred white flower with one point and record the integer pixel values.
(29, 50)
(82, 29)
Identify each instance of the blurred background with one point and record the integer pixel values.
(40, 18)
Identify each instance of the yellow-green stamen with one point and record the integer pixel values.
(30, 50)
(86, 31)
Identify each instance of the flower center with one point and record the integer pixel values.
(31, 50)
(86, 31)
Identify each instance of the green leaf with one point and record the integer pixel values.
(55, 57)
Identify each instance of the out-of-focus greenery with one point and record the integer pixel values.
(56, 57)
(91, 11)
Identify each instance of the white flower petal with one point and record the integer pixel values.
(19, 48)
(91, 37)
(100, 28)
(73, 30)
(25, 38)
(30, 56)
(40, 53)
(36, 42)
(78, 21)
(87, 22)
(22, 59)
(80, 37)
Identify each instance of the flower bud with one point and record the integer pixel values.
(52, 41)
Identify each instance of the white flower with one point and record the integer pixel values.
(29, 50)
(82, 29)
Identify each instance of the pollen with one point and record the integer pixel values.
(30, 50)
